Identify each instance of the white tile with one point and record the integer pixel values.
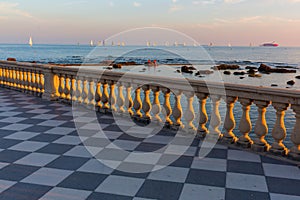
(17, 127)
(91, 126)
(120, 185)
(2, 164)
(9, 114)
(84, 119)
(68, 139)
(173, 174)
(45, 116)
(60, 130)
(29, 146)
(281, 171)
(283, 197)
(123, 144)
(243, 156)
(213, 164)
(12, 119)
(197, 192)
(176, 149)
(52, 123)
(37, 159)
(39, 111)
(58, 193)
(84, 152)
(22, 135)
(108, 134)
(4, 185)
(246, 182)
(47, 176)
(95, 166)
(143, 158)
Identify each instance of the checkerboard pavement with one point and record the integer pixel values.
(47, 153)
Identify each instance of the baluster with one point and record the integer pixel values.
(29, 80)
(98, 95)
(203, 118)
(177, 110)
(33, 81)
(245, 125)
(112, 96)
(79, 90)
(73, 89)
(15, 80)
(128, 99)
(146, 105)
(85, 91)
(229, 123)
(261, 127)
(137, 103)
(215, 120)
(189, 114)
(91, 94)
(1, 76)
(167, 111)
(10, 79)
(61, 87)
(105, 95)
(42, 82)
(25, 79)
(37, 83)
(156, 108)
(279, 130)
(120, 99)
(295, 137)
(67, 89)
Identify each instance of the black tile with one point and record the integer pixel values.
(283, 186)
(68, 125)
(83, 181)
(232, 194)
(15, 172)
(106, 121)
(46, 137)
(205, 177)
(4, 133)
(23, 191)
(104, 196)
(113, 128)
(6, 143)
(27, 115)
(38, 129)
(64, 118)
(128, 137)
(10, 156)
(67, 163)
(149, 147)
(55, 149)
(245, 167)
(217, 153)
(32, 121)
(160, 190)
(265, 159)
(3, 124)
(127, 174)
(183, 161)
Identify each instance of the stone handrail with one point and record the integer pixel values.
(106, 90)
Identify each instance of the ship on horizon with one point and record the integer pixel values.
(270, 44)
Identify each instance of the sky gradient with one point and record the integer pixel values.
(238, 22)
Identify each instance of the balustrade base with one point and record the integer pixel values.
(201, 134)
(244, 144)
(278, 152)
(260, 148)
(228, 140)
(294, 156)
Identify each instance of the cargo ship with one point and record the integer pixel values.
(270, 44)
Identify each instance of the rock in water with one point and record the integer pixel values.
(238, 73)
(267, 69)
(227, 72)
(274, 85)
(291, 82)
(226, 67)
(186, 69)
(249, 67)
(297, 77)
(11, 59)
(117, 66)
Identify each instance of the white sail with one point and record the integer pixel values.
(30, 42)
(92, 43)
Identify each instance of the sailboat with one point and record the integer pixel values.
(30, 42)
(92, 43)
(148, 44)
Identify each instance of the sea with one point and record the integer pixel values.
(171, 58)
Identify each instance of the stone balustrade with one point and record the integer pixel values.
(142, 98)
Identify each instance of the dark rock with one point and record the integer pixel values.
(226, 67)
(11, 59)
(287, 67)
(249, 67)
(238, 73)
(267, 69)
(109, 68)
(227, 72)
(117, 66)
(297, 77)
(251, 71)
(255, 75)
(33, 62)
(178, 71)
(187, 69)
(274, 85)
(291, 82)
(206, 72)
(127, 63)
(242, 77)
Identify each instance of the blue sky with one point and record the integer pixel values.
(238, 22)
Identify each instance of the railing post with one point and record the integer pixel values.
(279, 130)
(215, 119)
(156, 108)
(98, 95)
(120, 98)
(203, 117)
(261, 127)
(245, 125)
(67, 89)
(49, 85)
(91, 94)
(128, 99)
(189, 114)
(85, 91)
(105, 95)
(177, 109)
(167, 111)
(295, 137)
(112, 96)
(147, 103)
(229, 123)
(137, 103)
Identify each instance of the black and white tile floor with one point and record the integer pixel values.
(43, 155)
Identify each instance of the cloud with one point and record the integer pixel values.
(111, 4)
(233, 1)
(136, 4)
(11, 9)
(175, 8)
